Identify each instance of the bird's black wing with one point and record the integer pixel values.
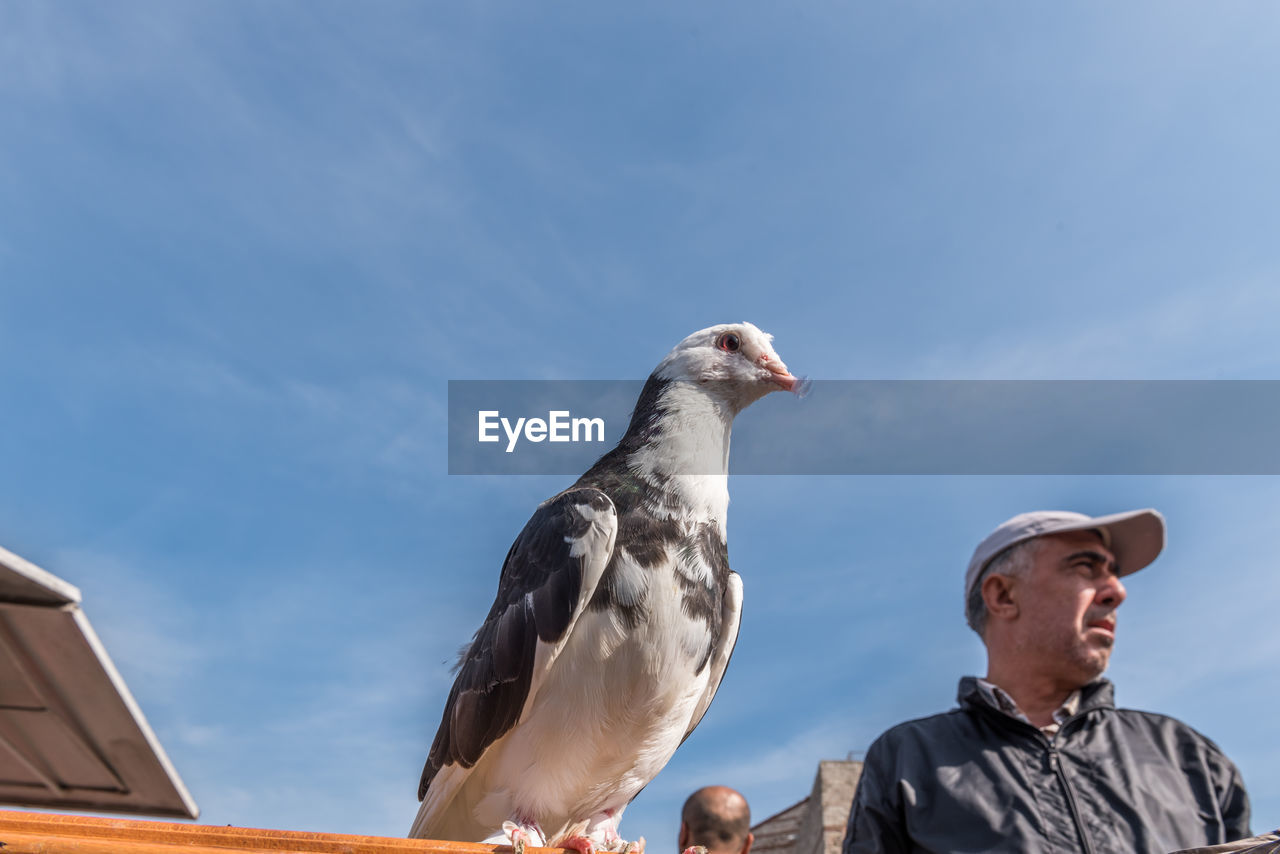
(547, 579)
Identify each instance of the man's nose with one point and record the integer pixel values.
(1112, 592)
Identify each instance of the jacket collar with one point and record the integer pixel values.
(1099, 694)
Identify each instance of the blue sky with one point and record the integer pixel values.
(243, 248)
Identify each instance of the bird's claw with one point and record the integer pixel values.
(521, 836)
(695, 849)
(618, 845)
(516, 834)
(581, 844)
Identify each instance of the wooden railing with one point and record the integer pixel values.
(39, 833)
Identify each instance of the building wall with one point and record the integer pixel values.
(816, 825)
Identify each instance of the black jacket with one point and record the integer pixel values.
(1113, 781)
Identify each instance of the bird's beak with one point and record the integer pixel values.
(766, 359)
(778, 373)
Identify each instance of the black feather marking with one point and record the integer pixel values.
(648, 541)
(607, 596)
(704, 596)
(703, 589)
(647, 538)
(610, 473)
(645, 530)
(647, 416)
(648, 528)
(538, 591)
(715, 551)
(716, 686)
(700, 599)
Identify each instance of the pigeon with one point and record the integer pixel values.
(615, 617)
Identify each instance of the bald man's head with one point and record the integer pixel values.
(718, 818)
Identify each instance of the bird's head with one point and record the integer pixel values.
(734, 362)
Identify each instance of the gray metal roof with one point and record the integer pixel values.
(71, 734)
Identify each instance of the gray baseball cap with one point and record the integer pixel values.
(1135, 538)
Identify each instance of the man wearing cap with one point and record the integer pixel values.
(1037, 757)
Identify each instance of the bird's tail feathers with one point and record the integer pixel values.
(438, 814)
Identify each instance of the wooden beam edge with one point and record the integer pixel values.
(40, 833)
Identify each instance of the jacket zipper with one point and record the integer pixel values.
(1056, 762)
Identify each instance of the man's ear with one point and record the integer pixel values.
(999, 592)
(746, 847)
(683, 842)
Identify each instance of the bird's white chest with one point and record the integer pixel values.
(619, 699)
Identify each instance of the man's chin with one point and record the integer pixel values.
(1096, 666)
(1093, 662)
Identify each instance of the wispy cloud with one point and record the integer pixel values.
(1101, 342)
(146, 626)
(353, 427)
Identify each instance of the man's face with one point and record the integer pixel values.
(1067, 603)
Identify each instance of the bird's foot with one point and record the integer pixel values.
(695, 849)
(524, 834)
(615, 844)
(581, 844)
(599, 835)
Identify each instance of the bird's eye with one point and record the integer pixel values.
(729, 342)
